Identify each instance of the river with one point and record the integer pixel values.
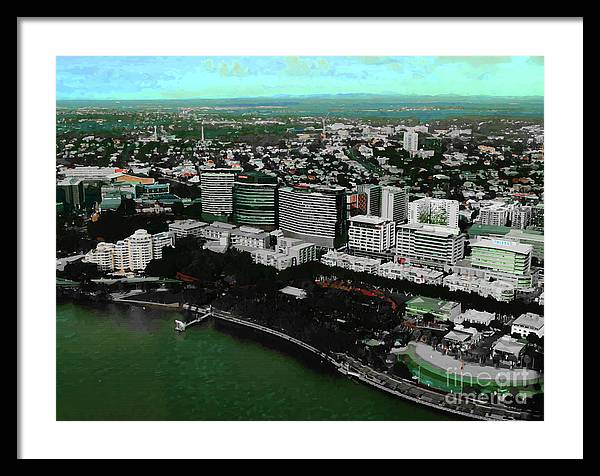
(119, 362)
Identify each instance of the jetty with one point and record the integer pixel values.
(201, 313)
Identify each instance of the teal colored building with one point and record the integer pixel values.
(255, 199)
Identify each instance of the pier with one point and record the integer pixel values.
(202, 313)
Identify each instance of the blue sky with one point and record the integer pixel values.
(183, 77)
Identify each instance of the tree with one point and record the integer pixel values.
(428, 318)
(81, 271)
(127, 207)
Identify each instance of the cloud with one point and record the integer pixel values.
(536, 60)
(233, 69)
(375, 59)
(299, 66)
(473, 60)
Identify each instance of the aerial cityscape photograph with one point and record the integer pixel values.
(300, 238)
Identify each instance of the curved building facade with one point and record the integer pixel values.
(255, 199)
(316, 214)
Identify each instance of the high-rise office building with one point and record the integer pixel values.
(373, 198)
(371, 234)
(255, 199)
(316, 214)
(216, 187)
(429, 245)
(411, 141)
(71, 191)
(394, 204)
(434, 211)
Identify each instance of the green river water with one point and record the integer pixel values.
(116, 362)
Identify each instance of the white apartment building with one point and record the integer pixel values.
(411, 141)
(133, 253)
(216, 189)
(121, 256)
(434, 211)
(217, 230)
(528, 323)
(140, 250)
(351, 262)
(160, 241)
(302, 253)
(293, 255)
(285, 243)
(496, 214)
(185, 228)
(273, 258)
(102, 256)
(429, 245)
(394, 204)
(371, 234)
(250, 237)
(520, 217)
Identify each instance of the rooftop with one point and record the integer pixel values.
(509, 345)
(186, 224)
(430, 304)
(369, 219)
(530, 319)
(438, 229)
(298, 293)
(502, 245)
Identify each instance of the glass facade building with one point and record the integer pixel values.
(255, 199)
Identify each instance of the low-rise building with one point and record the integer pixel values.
(441, 310)
(462, 336)
(393, 270)
(482, 285)
(298, 293)
(528, 323)
(508, 350)
(473, 316)
(286, 254)
(185, 228)
(351, 262)
(218, 230)
(250, 237)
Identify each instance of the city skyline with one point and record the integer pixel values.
(213, 77)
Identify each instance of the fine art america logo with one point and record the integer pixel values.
(479, 381)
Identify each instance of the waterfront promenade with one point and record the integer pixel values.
(467, 407)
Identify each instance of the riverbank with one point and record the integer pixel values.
(467, 407)
(124, 363)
